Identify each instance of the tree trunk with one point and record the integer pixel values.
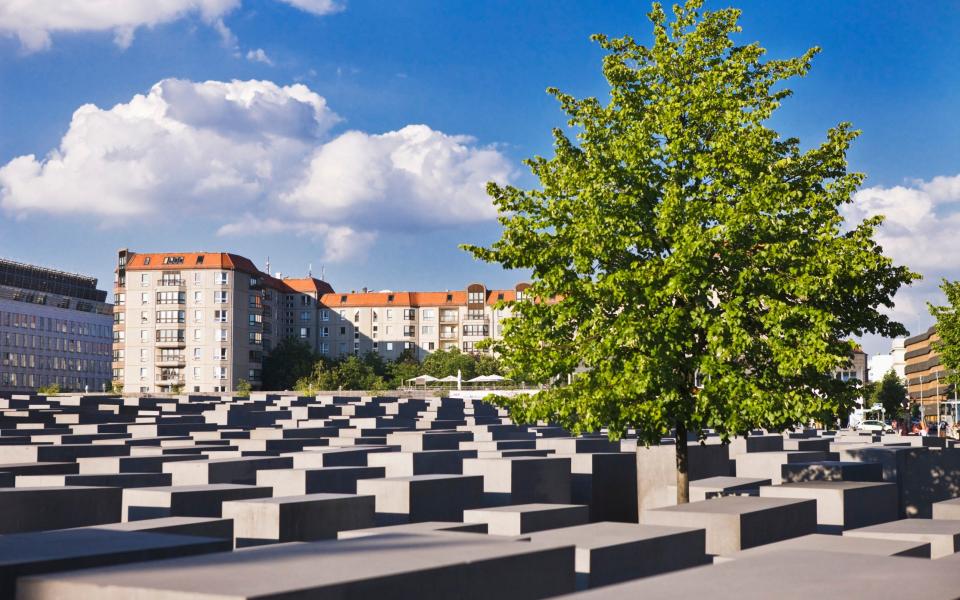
(683, 475)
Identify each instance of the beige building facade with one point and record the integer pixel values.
(201, 322)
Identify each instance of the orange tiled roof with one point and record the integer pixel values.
(210, 260)
(307, 285)
(415, 299)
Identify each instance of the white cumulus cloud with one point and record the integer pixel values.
(253, 157)
(34, 21)
(920, 230)
(260, 56)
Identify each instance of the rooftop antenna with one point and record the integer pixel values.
(323, 272)
(310, 270)
(268, 265)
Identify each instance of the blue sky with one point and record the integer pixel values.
(476, 69)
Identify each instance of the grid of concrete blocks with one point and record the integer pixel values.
(279, 496)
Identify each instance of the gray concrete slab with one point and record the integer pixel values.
(842, 504)
(735, 523)
(523, 480)
(398, 566)
(519, 519)
(613, 552)
(423, 497)
(185, 500)
(40, 508)
(942, 535)
(796, 575)
(297, 518)
(819, 542)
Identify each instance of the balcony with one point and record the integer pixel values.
(448, 335)
(449, 318)
(177, 284)
(181, 343)
(171, 362)
(167, 380)
(476, 319)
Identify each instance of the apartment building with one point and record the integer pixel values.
(927, 383)
(54, 329)
(201, 322)
(390, 322)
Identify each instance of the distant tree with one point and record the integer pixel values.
(443, 363)
(694, 263)
(948, 329)
(289, 361)
(116, 387)
(488, 365)
(49, 390)
(406, 366)
(889, 392)
(242, 389)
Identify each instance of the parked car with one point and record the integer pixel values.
(874, 426)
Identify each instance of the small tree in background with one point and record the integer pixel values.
(889, 392)
(948, 329)
(242, 389)
(691, 259)
(289, 361)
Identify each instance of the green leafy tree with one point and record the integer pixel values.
(948, 329)
(889, 392)
(406, 366)
(49, 390)
(488, 365)
(290, 360)
(443, 363)
(117, 387)
(243, 389)
(694, 262)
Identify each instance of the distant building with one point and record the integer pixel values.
(880, 364)
(55, 328)
(856, 369)
(202, 321)
(926, 378)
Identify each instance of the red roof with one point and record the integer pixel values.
(415, 299)
(174, 261)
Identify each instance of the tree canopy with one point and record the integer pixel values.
(948, 329)
(692, 261)
(889, 392)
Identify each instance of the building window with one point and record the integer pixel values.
(196, 372)
(221, 335)
(220, 297)
(255, 337)
(409, 330)
(220, 316)
(475, 298)
(169, 335)
(171, 297)
(146, 260)
(409, 314)
(145, 298)
(172, 278)
(324, 315)
(305, 315)
(430, 345)
(196, 354)
(144, 279)
(389, 297)
(389, 346)
(198, 297)
(219, 372)
(221, 278)
(356, 317)
(221, 354)
(120, 299)
(198, 334)
(426, 314)
(170, 316)
(197, 274)
(198, 316)
(426, 329)
(324, 331)
(304, 332)
(476, 330)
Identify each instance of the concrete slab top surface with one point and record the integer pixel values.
(795, 575)
(921, 526)
(819, 542)
(603, 534)
(19, 548)
(287, 568)
(187, 489)
(830, 485)
(723, 481)
(303, 498)
(159, 522)
(732, 505)
(526, 508)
